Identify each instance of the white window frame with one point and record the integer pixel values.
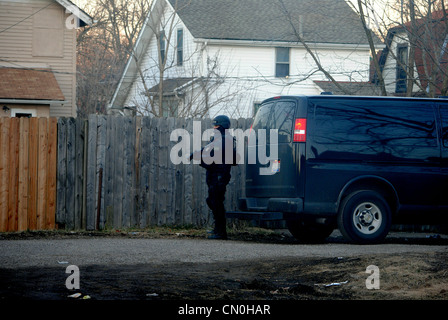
(14, 111)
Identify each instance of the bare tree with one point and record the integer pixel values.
(104, 48)
(422, 26)
(373, 50)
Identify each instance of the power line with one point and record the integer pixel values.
(12, 26)
(42, 69)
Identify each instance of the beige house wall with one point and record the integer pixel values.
(35, 35)
(35, 110)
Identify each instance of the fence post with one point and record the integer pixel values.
(91, 172)
(100, 165)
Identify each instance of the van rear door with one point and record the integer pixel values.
(444, 123)
(278, 177)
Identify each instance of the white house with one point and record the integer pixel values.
(227, 56)
(430, 57)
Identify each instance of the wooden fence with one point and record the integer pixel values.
(102, 173)
(27, 173)
(116, 172)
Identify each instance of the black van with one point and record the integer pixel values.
(354, 163)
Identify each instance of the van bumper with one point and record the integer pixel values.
(288, 205)
(266, 208)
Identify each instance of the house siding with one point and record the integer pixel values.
(16, 47)
(252, 71)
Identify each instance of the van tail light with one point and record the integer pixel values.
(300, 130)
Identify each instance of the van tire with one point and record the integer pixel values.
(364, 217)
(309, 231)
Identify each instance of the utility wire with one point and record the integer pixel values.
(6, 29)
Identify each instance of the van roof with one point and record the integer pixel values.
(330, 96)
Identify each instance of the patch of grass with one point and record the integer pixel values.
(238, 230)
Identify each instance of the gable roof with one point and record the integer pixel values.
(354, 88)
(317, 21)
(29, 84)
(83, 17)
(171, 86)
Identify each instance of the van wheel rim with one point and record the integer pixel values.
(367, 218)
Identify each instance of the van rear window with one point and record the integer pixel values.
(276, 115)
(383, 125)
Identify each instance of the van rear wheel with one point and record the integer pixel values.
(309, 231)
(364, 217)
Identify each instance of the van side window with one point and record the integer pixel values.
(444, 115)
(282, 119)
(276, 116)
(381, 125)
(262, 116)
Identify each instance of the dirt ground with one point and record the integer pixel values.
(402, 277)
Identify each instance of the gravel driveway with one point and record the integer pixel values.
(128, 251)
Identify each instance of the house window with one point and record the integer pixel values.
(23, 113)
(402, 62)
(162, 46)
(180, 47)
(281, 62)
(170, 106)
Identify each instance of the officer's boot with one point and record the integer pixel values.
(220, 231)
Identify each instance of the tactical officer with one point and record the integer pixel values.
(217, 158)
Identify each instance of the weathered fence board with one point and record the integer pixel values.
(108, 174)
(70, 182)
(70, 173)
(62, 175)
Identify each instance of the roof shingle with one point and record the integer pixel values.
(317, 21)
(29, 84)
(354, 88)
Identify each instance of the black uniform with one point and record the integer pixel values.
(217, 158)
(217, 178)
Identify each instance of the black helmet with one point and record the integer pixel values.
(222, 121)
